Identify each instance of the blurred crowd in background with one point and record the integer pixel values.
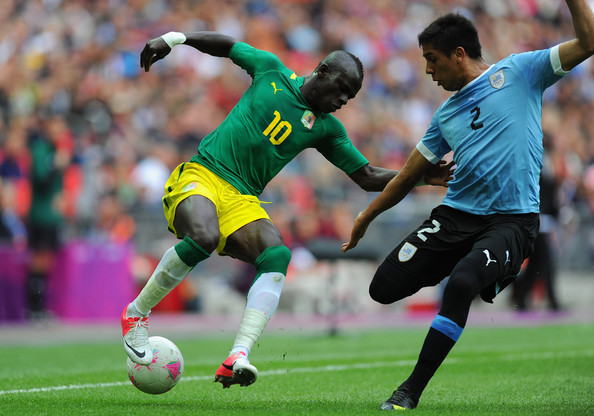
(87, 140)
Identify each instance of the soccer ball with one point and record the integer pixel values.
(163, 373)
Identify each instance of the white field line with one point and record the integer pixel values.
(401, 363)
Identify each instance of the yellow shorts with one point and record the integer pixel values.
(234, 210)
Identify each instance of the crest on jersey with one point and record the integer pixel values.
(308, 119)
(190, 186)
(497, 79)
(406, 252)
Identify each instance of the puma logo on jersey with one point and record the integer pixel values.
(489, 261)
(274, 86)
(507, 259)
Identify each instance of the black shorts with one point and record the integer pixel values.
(44, 237)
(429, 254)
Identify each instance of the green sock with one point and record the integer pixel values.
(175, 264)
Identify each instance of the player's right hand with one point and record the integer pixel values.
(154, 50)
(357, 233)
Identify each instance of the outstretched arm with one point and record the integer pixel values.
(374, 178)
(212, 43)
(392, 194)
(574, 52)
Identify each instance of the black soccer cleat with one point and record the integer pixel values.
(401, 399)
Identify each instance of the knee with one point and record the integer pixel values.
(274, 259)
(386, 289)
(464, 282)
(209, 244)
(284, 255)
(206, 237)
(378, 293)
(461, 288)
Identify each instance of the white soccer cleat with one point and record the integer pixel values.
(136, 340)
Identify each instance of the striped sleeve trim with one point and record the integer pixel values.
(556, 61)
(424, 150)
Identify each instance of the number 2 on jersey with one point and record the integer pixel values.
(275, 127)
(474, 124)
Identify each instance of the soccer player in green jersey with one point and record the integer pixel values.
(211, 202)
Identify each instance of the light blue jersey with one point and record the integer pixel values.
(493, 127)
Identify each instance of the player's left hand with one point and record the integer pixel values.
(440, 174)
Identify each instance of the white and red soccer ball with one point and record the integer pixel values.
(163, 373)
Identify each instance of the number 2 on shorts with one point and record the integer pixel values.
(422, 231)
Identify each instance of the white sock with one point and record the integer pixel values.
(170, 271)
(252, 324)
(133, 310)
(262, 300)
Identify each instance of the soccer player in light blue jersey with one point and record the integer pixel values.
(487, 223)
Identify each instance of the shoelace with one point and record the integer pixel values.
(135, 324)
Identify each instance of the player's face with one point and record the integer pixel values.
(333, 90)
(445, 70)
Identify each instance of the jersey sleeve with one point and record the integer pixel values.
(253, 60)
(540, 67)
(338, 149)
(433, 145)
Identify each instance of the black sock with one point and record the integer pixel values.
(435, 349)
(36, 292)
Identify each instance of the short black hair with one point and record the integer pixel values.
(448, 32)
(336, 59)
(358, 63)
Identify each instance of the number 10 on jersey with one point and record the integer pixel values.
(275, 127)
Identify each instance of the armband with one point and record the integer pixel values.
(174, 38)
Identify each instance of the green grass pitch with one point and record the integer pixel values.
(542, 370)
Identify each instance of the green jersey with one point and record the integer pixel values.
(270, 125)
(46, 184)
